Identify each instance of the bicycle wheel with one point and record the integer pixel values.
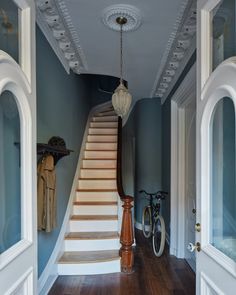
(159, 235)
(147, 222)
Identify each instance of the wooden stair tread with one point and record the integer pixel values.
(102, 134)
(111, 150)
(92, 235)
(93, 203)
(102, 122)
(106, 114)
(98, 168)
(89, 178)
(76, 257)
(99, 159)
(101, 142)
(96, 190)
(102, 127)
(94, 217)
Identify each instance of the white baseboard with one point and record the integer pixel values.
(48, 285)
(50, 271)
(138, 225)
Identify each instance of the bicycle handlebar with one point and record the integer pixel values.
(158, 194)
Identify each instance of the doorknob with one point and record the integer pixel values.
(198, 227)
(191, 247)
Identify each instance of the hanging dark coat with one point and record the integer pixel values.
(46, 189)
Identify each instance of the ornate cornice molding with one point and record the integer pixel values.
(55, 22)
(130, 12)
(180, 47)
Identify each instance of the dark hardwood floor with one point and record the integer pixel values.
(152, 276)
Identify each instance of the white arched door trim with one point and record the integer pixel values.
(215, 271)
(18, 264)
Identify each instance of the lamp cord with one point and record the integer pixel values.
(121, 54)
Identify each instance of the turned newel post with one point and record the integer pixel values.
(127, 237)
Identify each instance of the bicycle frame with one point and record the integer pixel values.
(155, 208)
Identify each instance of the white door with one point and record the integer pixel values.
(18, 254)
(216, 159)
(190, 177)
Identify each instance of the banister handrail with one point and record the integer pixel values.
(126, 237)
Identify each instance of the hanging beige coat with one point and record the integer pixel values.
(46, 194)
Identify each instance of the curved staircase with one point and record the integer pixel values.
(92, 243)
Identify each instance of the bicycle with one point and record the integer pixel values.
(152, 222)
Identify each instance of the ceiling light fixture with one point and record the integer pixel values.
(121, 99)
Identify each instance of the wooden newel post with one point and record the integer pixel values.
(127, 237)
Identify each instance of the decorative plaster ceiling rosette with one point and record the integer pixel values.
(132, 14)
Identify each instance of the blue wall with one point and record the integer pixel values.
(62, 110)
(148, 150)
(144, 125)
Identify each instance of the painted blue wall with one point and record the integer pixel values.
(148, 150)
(62, 110)
(142, 136)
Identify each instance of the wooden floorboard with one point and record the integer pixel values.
(166, 275)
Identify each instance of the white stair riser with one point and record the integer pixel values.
(97, 184)
(89, 268)
(95, 209)
(100, 154)
(103, 124)
(92, 245)
(102, 138)
(93, 225)
(105, 118)
(98, 173)
(96, 196)
(99, 163)
(101, 146)
(103, 131)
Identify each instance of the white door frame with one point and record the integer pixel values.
(18, 264)
(215, 272)
(185, 93)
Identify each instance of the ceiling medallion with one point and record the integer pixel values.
(131, 13)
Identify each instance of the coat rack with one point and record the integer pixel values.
(56, 147)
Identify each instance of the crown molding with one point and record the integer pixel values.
(180, 47)
(55, 23)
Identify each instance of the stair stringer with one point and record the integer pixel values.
(50, 273)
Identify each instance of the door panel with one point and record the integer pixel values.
(18, 231)
(215, 187)
(190, 178)
(223, 200)
(9, 28)
(216, 101)
(10, 173)
(223, 32)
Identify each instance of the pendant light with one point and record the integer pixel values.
(121, 99)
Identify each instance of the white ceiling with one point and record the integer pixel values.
(154, 55)
(143, 48)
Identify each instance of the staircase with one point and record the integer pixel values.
(92, 244)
